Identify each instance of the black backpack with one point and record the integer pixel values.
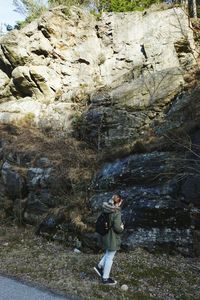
(102, 225)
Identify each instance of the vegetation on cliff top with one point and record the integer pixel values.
(32, 9)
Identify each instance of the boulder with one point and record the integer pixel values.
(159, 209)
(15, 183)
(22, 111)
(39, 202)
(4, 79)
(136, 169)
(157, 239)
(39, 178)
(36, 81)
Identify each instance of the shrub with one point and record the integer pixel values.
(125, 5)
(31, 9)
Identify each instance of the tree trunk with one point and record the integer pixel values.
(194, 8)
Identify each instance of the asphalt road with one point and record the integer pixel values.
(11, 289)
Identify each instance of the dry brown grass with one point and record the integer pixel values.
(73, 163)
(67, 154)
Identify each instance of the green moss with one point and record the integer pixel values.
(77, 121)
(140, 296)
(30, 116)
(96, 14)
(101, 292)
(26, 120)
(159, 273)
(83, 85)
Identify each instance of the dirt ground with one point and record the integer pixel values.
(53, 265)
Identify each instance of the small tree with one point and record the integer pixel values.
(66, 2)
(1, 29)
(194, 6)
(124, 5)
(31, 9)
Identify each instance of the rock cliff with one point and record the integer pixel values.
(138, 60)
(127, 84)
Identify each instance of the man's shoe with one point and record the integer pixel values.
(109, 281)
(99, 271)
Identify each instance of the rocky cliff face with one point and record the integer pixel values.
(138, 59)
(128, 85)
